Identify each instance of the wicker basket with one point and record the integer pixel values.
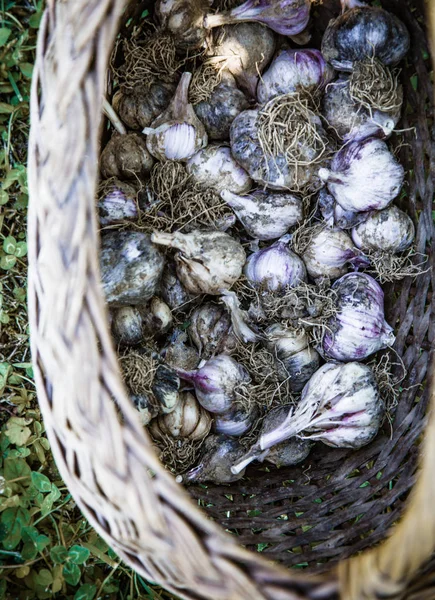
(347, 500)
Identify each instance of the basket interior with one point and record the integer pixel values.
(341, 501)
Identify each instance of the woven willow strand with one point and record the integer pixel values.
(109, 466)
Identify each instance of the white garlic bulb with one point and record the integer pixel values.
(145, 406)
(207, 261)
(178, 133)
(295, 359)
(265, 215)
(235, 422)
(188, 420)
(127, 325)
(215, 168)
(210, 330)
(157, 316)
(388, 230)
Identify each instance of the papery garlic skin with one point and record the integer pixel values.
(388, 230)
(236, 422)
(210, 330)
(275, 268)
(188, 420)
(362, 33)
(352, 121)
(207, 261)
(329, 253)
(359, 328)
(244, 50)
(127, 325)
(215, 168)
(177, 134)
(295, 359)
(265, 215)
(219, 453)
(239, 318)
(216, 383)
(364, 176)
(294, 71)
(287, 17)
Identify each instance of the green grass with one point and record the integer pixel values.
(47, 548)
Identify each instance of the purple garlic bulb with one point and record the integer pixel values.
(216, 382)
(287, 17)
(363, 33)
(118, 203)
(340, 406)
(358, 329)
(236, 422)
(294, 71)
(275, 268)
(388, 230)
(364, 176)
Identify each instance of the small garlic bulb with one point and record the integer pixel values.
(172, 292)
(388, 230)
(177, 134)
(274, 268)
(184, 19)
(265, 215)
(166, 385)
(157, 317)
(117, 203)
(139, 108)
(210, 330)
(295, 359)
(126, 157)
(207, 261)
(127, 325)
(215, 168)
(236, 422)
(188, 420)
(364, 175)
(145, 406)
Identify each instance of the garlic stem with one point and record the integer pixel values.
(181, 97)
(254, 453)
(113, 117)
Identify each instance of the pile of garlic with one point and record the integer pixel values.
(290, 143)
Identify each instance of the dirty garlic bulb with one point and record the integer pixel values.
(177, 133)
(165, 387)
(210, 330)
(172, 292)
(221, 108)
(236, 422)
(263, 214)
(127, 325)
(117, 202)
(188, 420)
(207, 261)
(184, 19)
(295, 359)
(389, 230)
(139, 108)
(244, 50)
(145, 406)
(215, 168)
(126, 157)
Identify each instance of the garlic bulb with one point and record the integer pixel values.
(177, 133)
(188, 420)
(166, 385)
(329, 252)
(336, 216)
(117, 203)
(139, 108)
(388, 230)
(222, 107)
(178, 354)
(340, 406)
(359, 328)
(236, 422)
(215, 168)
(244, 50)
(290, 452)
(216, 382)
(157, 317)
(265, 215)
(127, 325)
(126, 157)
(239, 318)
(184, 19)
(145, 406)
(349, 119)
(131, 267)
(274, 268)
(210, 330)
(219, 453)
(207, 261)
(364, 33)
(172, 292)
(364, 175)
(287, 17)
(295, 360)
(294, 71)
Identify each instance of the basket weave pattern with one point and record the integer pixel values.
(110, 466)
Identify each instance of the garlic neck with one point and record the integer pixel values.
(180, 101)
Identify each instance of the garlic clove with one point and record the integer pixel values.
(215, 168)
(207, 261)
(188, 420)
(177, 133)
(265, 215)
